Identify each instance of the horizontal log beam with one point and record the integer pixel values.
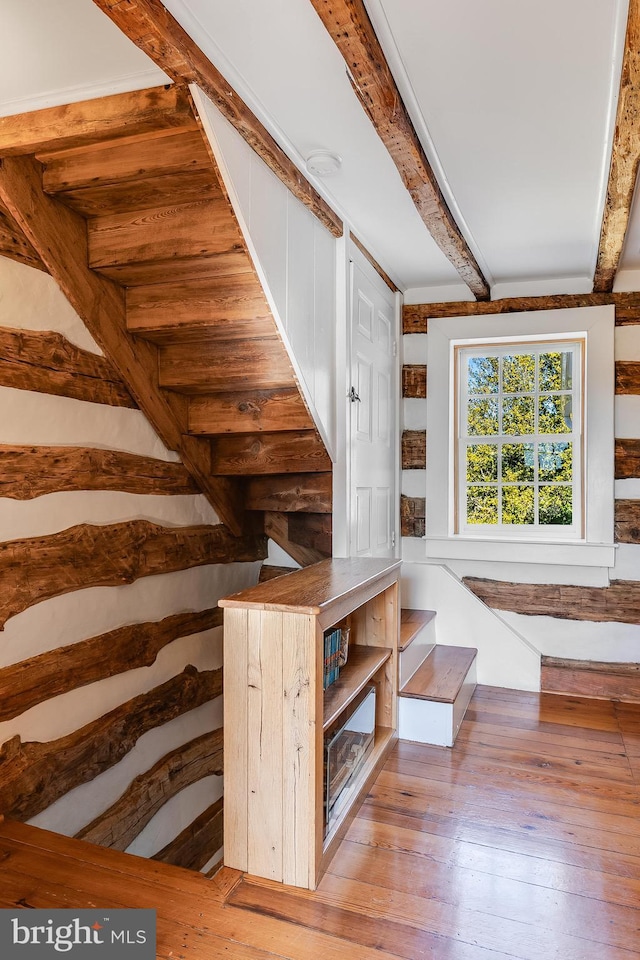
(617, 603)
(290, 493)
(46, 362)
(90, 121)
(414, 449)
(587, 678)
(627, 458)
(627, 521)
(415, 317)
(197, 843)
(24, 685)
(28, 472)
(121, 823)
(414, 380)
(270, 453)
(60, 237)
(152, 28)
(627, 377)
(625, 158)
(34, 775)
(348, 24)
(39, 568)
(412, 516)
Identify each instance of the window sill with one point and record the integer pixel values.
(521, 551)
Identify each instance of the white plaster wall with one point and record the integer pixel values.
(550, 636)
(29, 299)
(295, 258)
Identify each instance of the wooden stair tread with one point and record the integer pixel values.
(411, 623)
(441, 675)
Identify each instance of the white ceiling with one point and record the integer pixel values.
(514, 103)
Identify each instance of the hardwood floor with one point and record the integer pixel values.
(523, 841)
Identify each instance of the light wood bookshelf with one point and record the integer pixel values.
(276, 712)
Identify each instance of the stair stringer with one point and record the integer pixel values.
(505, 658)
(234, 158)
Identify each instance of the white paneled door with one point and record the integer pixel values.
(373, 398)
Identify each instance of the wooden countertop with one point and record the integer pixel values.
(315, 588)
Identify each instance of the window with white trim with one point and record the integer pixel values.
(519, 439)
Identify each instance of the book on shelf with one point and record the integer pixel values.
(332, 639)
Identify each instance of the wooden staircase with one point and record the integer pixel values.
(436, 682)
(135, 175)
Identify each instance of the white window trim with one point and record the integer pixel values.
(597, 324)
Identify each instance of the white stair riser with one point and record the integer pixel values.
(417, 652)
(430, 721)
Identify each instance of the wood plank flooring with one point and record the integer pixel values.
(523, 841)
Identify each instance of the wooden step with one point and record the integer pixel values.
(248, 411)
(290, 493)
(223, 308)
(135, 274)
(227, 365)
(132, 173)
(180, 241)
(153, 192)
(95, 120)
(442, 675)
(268, 453)
(589, 678)
(411, 623)
(433, 702)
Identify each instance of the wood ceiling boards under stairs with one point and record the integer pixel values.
(166, 285)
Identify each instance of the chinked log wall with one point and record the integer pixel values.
(621, 601)
(37, 571)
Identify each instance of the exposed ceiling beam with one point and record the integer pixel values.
(59, 236)
(350, 27)
(152, 28)
(625, 158)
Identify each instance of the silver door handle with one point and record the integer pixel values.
(353, 396)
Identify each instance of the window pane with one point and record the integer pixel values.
(482, 418)
(482, 462)
(482, 375)
(556, 371)
(517, 461)
(555, 461)
(555, 415)
(482, 505)
(519, 374)
(556, 505)
(517, 416)
(518, 505)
